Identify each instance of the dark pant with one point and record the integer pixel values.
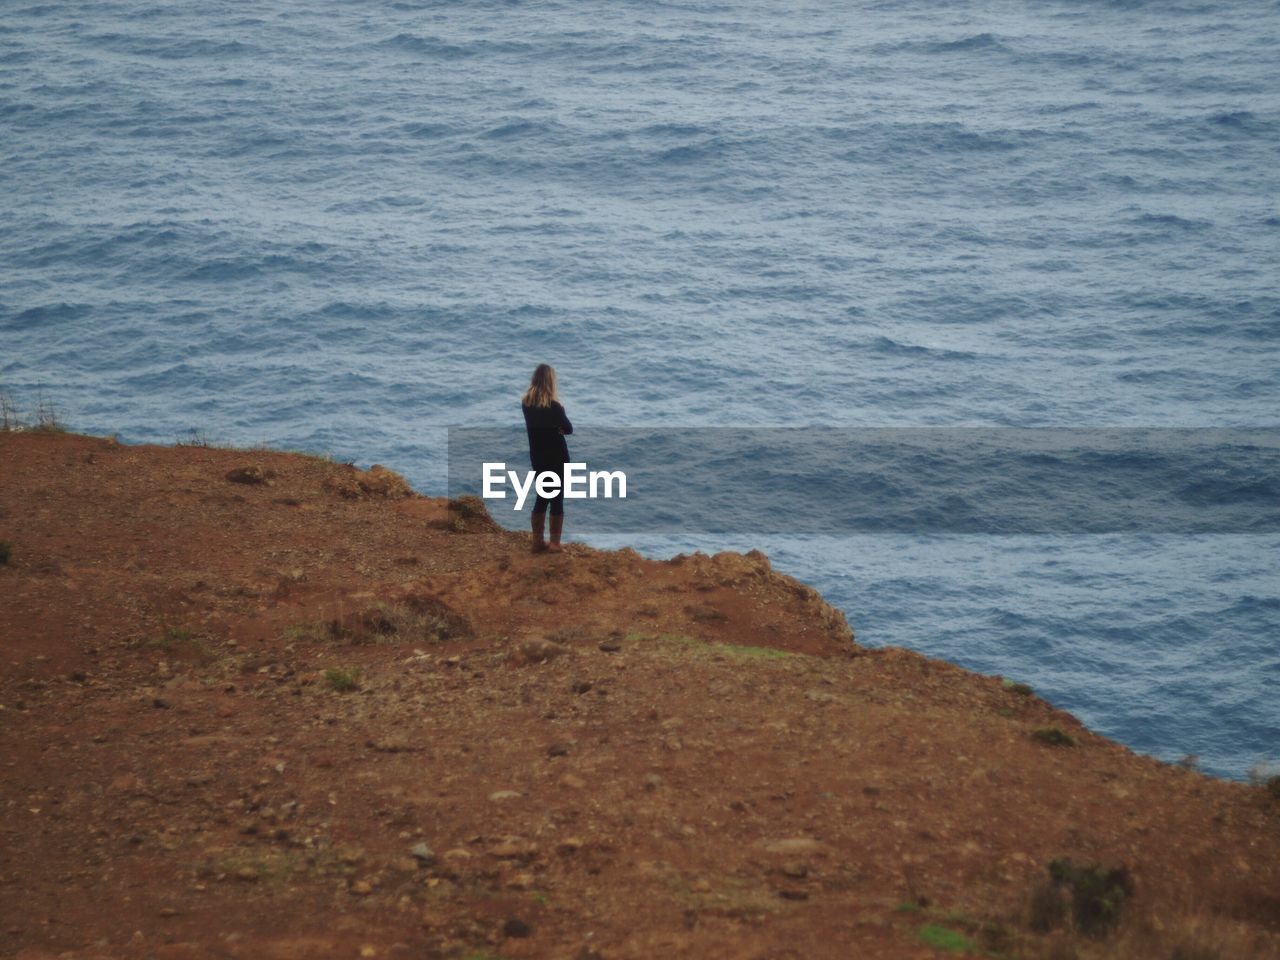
(556, 503)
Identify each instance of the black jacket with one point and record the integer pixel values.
(547, 427)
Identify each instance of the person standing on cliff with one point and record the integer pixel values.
(547, 425)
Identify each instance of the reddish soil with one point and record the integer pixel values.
(590, 755)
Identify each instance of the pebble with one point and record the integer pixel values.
(573, 782)
(512, 848)
(422, 853)
(793, 846)
(500, 795)
(558, 750)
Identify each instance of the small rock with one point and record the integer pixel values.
(499, 795)
(793, 846)
(793, 894)
(168, 912)
(611, 645)
(422, 853)
(652, 781)
(247, 874)
(516, 928)
(573, 782)
(536, 650)
(581, 687)
(513, 848)
(795, 870)
(250, 475)
(362, 888)
(160, 704)
(558, 750)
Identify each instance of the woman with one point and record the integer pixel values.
(547, 426)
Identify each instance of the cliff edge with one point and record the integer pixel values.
(261, 705)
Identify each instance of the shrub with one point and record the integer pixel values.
(342, 679)
(1095, 893)
(944, 938)
(1022, 689)
(5, 549)
(1053, 737)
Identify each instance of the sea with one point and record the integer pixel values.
(345, 227)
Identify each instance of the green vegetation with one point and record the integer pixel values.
(174, 636)
(310, 632)
(1053, 736)
(1022, 689)
(6, 549)
(342, 679)
(1089, 895)
(944, 938)
(181, 643)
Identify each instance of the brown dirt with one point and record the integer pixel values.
(605, 756)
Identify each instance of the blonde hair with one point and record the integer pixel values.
(542, 387)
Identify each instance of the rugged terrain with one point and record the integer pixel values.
(257, 704)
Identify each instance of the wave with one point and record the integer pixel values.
(439, 49)
(173, 48)
(890, 347)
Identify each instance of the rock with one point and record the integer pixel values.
(536, 650)
(362, 888)
(794, 869)
(247, 875)
(581, 687)
(611, 645)
(500, 795)
(652, 781)
(793, 846)
(558, 750)
(516, 928)
(422, 853)
(251, 474)
(513, 848)
(573, 782)
(569, 846)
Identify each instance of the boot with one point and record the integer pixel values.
(536, 521)
(557, 524)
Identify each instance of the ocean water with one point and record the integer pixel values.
(346, 227)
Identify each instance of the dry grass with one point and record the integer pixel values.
(45, 416)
